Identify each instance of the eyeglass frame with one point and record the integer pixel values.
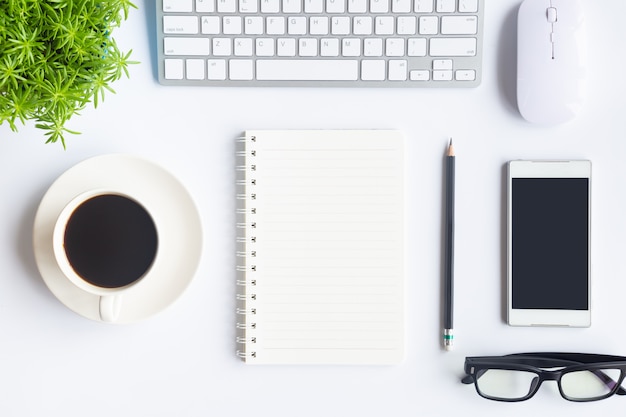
(534, 362)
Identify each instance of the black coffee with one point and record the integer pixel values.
(110, 241)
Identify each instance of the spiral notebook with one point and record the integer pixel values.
(320, 247)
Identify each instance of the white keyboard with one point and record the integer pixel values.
(321, 43)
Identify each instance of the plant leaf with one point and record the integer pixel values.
(56, 56)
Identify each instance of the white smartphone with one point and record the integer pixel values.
(548, 243)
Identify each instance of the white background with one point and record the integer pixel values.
(182, 362)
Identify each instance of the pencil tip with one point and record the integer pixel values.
(450, 148)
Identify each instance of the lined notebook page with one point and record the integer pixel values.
(324, 247)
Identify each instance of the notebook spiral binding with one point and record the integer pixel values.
(245, 269)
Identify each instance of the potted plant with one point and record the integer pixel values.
(56, 56)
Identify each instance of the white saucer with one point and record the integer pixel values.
(172, 209)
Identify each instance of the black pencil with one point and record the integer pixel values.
(448, 336)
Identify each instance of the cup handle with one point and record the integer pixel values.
(110, 307)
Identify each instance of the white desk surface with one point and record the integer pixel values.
(182, 361)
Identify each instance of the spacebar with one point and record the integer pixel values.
(307, 70)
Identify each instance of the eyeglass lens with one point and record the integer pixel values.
(585, 385)
(505, 384)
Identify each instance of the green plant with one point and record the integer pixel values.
(56, 56)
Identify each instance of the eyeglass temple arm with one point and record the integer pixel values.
(468, 379)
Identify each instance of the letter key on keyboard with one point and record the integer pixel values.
(320, 43)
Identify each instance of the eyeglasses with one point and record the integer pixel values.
(580, 376)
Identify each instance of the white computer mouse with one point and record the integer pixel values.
(551, 60)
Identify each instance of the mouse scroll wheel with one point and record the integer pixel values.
(551, 14)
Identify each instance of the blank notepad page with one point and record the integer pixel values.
(320, 268)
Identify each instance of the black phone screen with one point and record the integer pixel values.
(550, 243)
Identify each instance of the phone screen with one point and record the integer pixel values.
(550, 243)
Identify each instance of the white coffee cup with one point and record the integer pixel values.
(105, 243)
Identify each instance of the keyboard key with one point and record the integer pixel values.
(253, 25)
(357, 6)
(394, 47)
(216, 69)
(424, 6)
(385, 25)
(401, 6)
(443, 75)
(351, 47)
(248, 6)
(468, 6)
(442, 64)
(205, 6)
(270, 6)
(340, 25)
(416, 47)
(182, 25)
(243, 47)
(419, 75)
(465, 75)
(177, 6)
(429, 25)
(173, 69)
(297, 25)
(222, 47)
(307, 47)
(226, 6)
(186, 46)
(335, 6)
(373, 70)
(362, 25)
(373, 47)
(453, 46)
(265, 47)
(407, 25)
(286, 47)
(232, 25)
(446, 6)
(307, 70)
(211, 25)
(241, 69)
(194, 69)
(459, 25)
(329, 47)
(319, 25)
(397, 70)
(275, 25)
(292, 6)
(313, 6)
(379, 6)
